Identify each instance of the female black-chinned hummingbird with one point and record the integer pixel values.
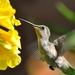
(53, 52)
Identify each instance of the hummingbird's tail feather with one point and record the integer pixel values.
(68, 71)
(65, 66)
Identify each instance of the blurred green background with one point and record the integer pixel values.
(57, 17)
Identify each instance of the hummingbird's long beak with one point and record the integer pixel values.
(29, 22)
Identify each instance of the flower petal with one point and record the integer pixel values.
(9, 38)
(3, 64)
(13, 60)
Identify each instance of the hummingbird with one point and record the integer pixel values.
(53, 52)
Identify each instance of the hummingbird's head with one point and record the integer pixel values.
(41, 30)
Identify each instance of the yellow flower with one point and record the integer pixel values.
(9, 38)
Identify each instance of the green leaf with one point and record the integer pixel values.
(65, 11)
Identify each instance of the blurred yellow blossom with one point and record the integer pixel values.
(9, 38)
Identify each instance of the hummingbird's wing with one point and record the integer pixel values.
(59, 42)
(32, 51)
(65, 43)
(64, 66)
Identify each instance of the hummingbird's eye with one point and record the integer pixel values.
(42, 28)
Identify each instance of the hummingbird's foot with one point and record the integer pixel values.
(52, 68)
